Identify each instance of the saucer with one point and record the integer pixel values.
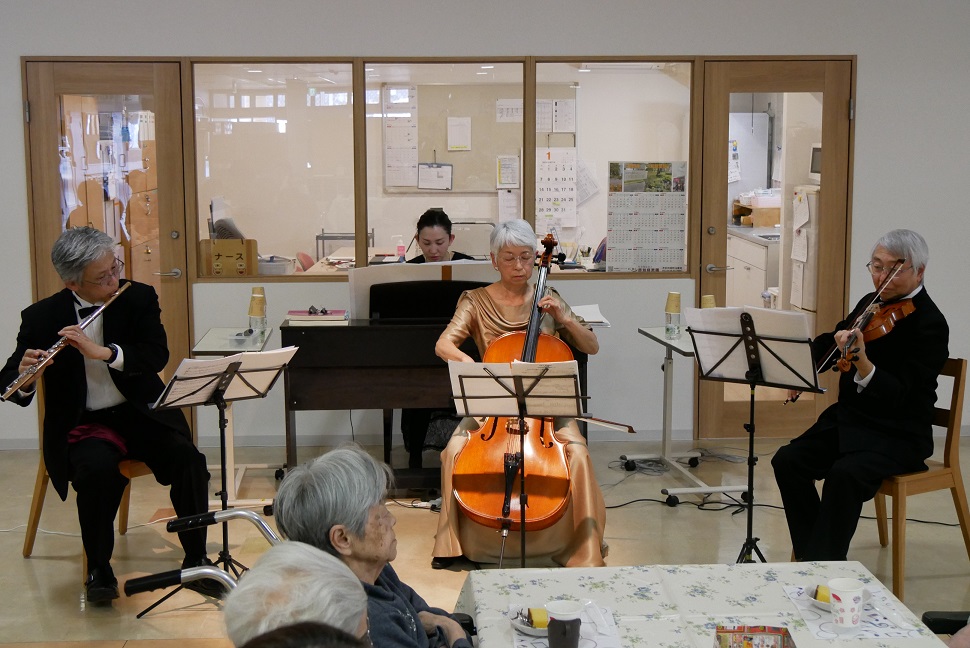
(516, 617)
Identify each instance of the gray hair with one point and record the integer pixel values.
(339, 487)
(513, 233)
(906, 244)
(293, 582)
(76, 248)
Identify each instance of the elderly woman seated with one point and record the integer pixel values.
(294, 582)
(336, 503)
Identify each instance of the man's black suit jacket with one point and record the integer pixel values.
(133, 322)
(893, 415)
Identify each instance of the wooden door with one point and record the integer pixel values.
(104, 146)
(724, 408)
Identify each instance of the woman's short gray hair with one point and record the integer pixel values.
(905, 244)
(76, 248)
(294, 582)
(339, 487)
(513, 233)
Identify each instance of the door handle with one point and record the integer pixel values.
(711, 268)
(174, 273)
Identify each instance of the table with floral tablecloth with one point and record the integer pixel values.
(679, 606)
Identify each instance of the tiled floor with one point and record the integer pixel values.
(42, 603)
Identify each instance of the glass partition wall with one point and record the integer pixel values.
(441, 135)
(612, 153)
(275, 159)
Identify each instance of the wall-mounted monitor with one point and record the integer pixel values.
(815, 165)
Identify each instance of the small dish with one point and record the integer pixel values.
(518, 616)
(826, 606)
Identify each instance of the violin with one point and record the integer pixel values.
(487, 469)
(878, 321)
(861, 322)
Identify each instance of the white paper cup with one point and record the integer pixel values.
(848, 599)
(564, 610)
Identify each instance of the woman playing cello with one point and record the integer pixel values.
(484, 314)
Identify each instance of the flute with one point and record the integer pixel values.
(28, 375)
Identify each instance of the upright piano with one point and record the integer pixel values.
(383, 363)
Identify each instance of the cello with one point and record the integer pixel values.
(488, 468)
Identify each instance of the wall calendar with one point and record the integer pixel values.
(647, 217)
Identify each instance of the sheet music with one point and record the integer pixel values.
(488, 389)
(591, 313)
(477, 379)
(711, 348)
(195, 380)
(792, 349)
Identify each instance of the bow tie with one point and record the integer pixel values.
(85, 311)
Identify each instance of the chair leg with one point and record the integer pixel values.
(123, 510)
(963, 513)
(899, 542)
(36, 507)
(881, 522)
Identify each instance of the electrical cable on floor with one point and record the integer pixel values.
(413, 504)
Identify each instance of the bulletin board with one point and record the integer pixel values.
(473, 171)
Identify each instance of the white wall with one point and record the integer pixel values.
(910, 161)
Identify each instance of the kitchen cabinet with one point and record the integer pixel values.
(748, 277)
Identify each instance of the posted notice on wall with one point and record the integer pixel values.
(459, 133)
(435, 176)
(507, 172)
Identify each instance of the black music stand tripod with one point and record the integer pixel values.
(521, 390)
(218, 384)
(736, 357)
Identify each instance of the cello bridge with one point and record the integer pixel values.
(512, 427)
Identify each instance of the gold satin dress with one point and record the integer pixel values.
(576, 540)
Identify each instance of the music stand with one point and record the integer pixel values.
(522, 390)
(217, 382)
(728, 348)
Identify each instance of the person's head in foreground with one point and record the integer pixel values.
(306, 634)
(336, 503)
(293, 582)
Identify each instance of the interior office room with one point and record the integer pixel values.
(643, 96)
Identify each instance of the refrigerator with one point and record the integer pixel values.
(804, 249)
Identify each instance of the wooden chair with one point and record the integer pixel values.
(128, 467)
(940, 476)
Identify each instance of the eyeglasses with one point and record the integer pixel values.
(526, 259)
(876, 269)
(313, 310)
(105, 280)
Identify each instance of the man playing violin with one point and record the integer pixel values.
(881, 424)
(97, 393)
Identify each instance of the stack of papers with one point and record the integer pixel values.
(591, 313)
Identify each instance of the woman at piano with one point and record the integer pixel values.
(484, 314)
(434, 237)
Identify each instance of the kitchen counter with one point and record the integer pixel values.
(751, 234)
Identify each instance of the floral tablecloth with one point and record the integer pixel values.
(677, 606)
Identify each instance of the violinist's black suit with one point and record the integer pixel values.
(159, 438)
(883, 430)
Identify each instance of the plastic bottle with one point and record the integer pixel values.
(401, 250)
(257, 313)
(672, 317)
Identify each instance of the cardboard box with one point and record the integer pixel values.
(228, 257)
(765, 216)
